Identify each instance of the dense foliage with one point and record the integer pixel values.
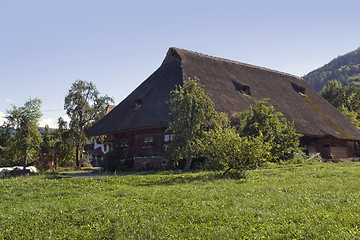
(345, 98)
(84, 106)
(262, 121)
(225, 150)
(59, 144)
(64, 144)
(24, 143)
(345, 69)
(21, 140)
(192, 113)
(55, 143)
(260, 134)
(339, 82)
(6, 134)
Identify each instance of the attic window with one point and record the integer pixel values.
(301, 90)
(245, 90)
(297, 88)
(137, 103)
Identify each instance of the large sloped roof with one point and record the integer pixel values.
(225, 81)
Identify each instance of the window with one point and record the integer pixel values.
(299, 89)
(137, 103)
(245, 90)
(168, 137)
(148, 142)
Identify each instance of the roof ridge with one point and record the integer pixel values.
(237, 62)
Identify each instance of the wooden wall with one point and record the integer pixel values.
(329, 147)
(145, 154)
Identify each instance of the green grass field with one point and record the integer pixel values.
(313, 201)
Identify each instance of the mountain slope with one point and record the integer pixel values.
(345, 68)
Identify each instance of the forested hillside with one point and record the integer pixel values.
(345, 69)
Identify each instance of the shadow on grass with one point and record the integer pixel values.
(39, 175)
(172, 178)
(147, 178)
(53, 175)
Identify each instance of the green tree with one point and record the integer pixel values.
(262, 120)
(27, 139)
(47, 145)
(351, 115)
(191, 114)
(84, 106)
(6, 134)
(223, 149)
(344, 98)
(64, 144)
(336, 94)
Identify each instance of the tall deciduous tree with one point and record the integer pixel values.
(191, 113)
(6, 134)
(27, 139)
(84, 106)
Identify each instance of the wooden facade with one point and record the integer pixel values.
(145, 148)
(330, 147)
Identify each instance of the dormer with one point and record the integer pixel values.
(242, 88)
(137, 103)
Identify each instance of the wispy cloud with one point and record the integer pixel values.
(2, 118)
(9, 100)
(52, 122)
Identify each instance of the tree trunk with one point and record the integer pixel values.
(187, 164)
(55, 160)
(25, 162)
(78, 157)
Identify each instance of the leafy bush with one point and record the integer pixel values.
(262, 121)
(225, 150)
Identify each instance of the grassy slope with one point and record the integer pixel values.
(312, 202)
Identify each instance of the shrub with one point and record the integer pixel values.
(262, 120)
(225, 150)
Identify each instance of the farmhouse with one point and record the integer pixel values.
(139, 122)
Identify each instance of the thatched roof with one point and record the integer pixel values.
(228, 83)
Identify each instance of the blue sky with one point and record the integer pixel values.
(46, 45)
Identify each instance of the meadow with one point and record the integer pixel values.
(304, 201)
